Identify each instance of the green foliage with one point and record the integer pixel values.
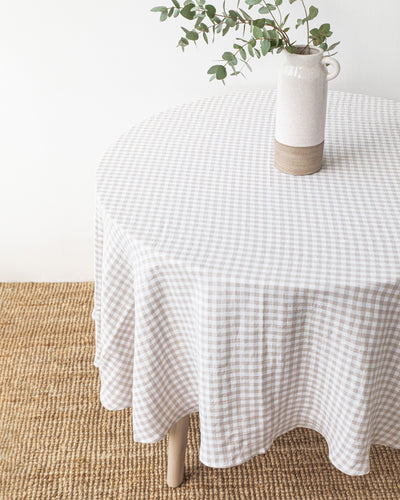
(217, 71)
(264, 34)
(312, 13)
(188, 11)
(211, 11)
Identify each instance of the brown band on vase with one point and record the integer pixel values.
(298, 160)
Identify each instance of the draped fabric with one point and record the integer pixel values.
(261, 300)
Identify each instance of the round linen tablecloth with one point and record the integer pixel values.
(261, 300)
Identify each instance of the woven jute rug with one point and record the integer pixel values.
(58, 442)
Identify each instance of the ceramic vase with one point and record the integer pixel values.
(301, 110)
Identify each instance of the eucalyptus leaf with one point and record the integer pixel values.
(333, 46)
(325, 28)
(260, 23)
(230, 58)
(221, 73)
(188, 12)
(257, 32)
(183, 42)
(192, 35)
(225, 30)
(227, 56)
(313, 13)
(233, 15)
(248, 65)
(245, 15)
(211, 11)
(213, 69)
(265, 47)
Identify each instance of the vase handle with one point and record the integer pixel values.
(336, 67)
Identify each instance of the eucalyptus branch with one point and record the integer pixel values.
(231, 60)
(266, 35)
(250, 21)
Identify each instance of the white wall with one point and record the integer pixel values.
(76, 74)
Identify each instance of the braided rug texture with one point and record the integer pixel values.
(58, 442)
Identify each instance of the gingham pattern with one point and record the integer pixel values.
(261, 300)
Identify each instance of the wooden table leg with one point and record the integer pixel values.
(177, 439)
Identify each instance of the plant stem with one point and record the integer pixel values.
(280, 15)
(270, 11)
(308, 29)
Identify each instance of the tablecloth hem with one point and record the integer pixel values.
(264, 449)
(165, 433)
(261, 451)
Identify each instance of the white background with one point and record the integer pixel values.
(76, 74)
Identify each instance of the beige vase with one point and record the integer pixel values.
(301, 110)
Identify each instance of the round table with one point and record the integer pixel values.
(261, 300)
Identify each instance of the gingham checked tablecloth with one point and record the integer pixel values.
(261, 300)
